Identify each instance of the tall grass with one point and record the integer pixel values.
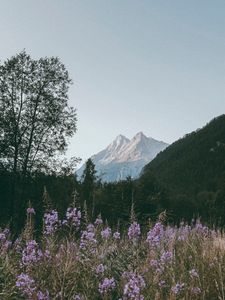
(74, 259)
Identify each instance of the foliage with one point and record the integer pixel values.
(35, 119)
(192, 170)
(35, 124)
(75, 260)
(88, 183)
(57, 188)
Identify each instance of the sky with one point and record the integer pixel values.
(151, 66)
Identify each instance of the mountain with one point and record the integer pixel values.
(124, 157)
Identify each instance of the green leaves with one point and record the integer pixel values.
(35, 118)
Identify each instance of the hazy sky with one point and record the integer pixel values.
(151, 66)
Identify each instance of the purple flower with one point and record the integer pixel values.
(98, 220)
(47, 254)
(154, 263)
(178, 288)
(107, 285)
(43, 296)
(88, 238)
(73, 217)
(25, 284)
(132, 289)
(90, 228)
(193, 273)
(166, 257)
(160, 270)
(6, 231)
(2, 237)
(162, 283)
(17, 245)
(4, 244)
(106, 233)
(183, 232)
(31, 254)
(195, 291)
(134, 231)
(116, 235)
(51, 222)
(170, 233)
(30, 211)
(155, 235)
(202, 230)
(100, 269)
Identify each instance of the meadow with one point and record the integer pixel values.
(76, 259)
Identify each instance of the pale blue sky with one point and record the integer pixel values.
(151, 66)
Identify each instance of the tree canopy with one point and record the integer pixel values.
(35, 118)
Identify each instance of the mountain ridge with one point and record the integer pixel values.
(125, 157)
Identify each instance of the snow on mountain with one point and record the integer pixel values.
(124, 157)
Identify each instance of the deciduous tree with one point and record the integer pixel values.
(35, 118)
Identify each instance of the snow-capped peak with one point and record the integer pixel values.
(140, 135)
(124, 157)
(119, 142)
(113, 150)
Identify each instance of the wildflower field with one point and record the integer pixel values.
(75, 259)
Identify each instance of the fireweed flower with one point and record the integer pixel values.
(51, 222)
(193, 273)
(98, 221)
(160, 265)
(43, 296)
(116, 235)
(30, 211)
(162, 284)
(178, 288)
(26, 285)
(195, 291)
(2, 237)
(155, 235)
(169, 233)
(5, 244)
(133, 287)
(183, 232)
(73, 217)
(201, 230)
(134, 231)
(90, 228)
(100, 269)
(106, 233)
(31, 254)
(107, 286)
(6, 231)
(166, 257)
(47, 254)
(154, 263)
(17, 245)
(88, 238)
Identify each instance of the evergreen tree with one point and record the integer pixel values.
(89, 179)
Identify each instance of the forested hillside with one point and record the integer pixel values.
(193, 169)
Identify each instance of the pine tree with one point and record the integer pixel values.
(88, 184)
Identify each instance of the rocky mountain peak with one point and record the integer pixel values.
(125, 157)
